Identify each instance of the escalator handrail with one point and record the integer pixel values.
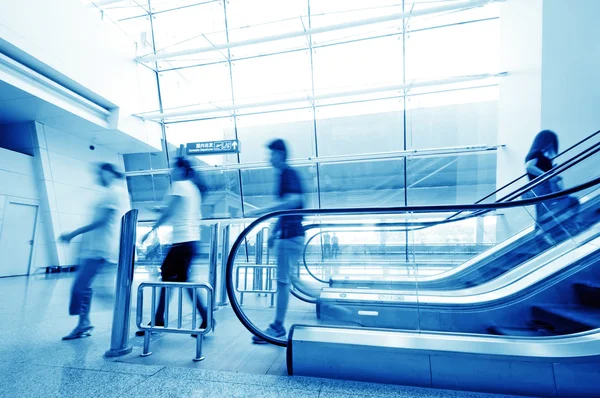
(404, 227)
(575, 160)
(515, 194)
(525, 175)
(531, 185)
(519, 192)
(373, 211)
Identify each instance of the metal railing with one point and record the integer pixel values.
(261, 282)
(179, 286)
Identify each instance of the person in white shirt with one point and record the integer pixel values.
(99, 246)
(183, 212)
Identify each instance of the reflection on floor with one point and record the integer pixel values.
(35, 362)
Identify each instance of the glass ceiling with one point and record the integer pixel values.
(377, 88)
(357, 65)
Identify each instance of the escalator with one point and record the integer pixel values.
(527, 326)
(487, 264)
(516, 264)
(544, 308)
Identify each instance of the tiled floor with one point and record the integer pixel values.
(34, 362)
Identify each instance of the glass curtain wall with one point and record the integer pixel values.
(361, 108)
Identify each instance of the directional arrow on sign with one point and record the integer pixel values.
(234, 145)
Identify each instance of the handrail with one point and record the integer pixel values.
(520, 191)
(546, 176)
(536, 274)
(374, 211)
(575, 160)
(525, 175)
(532, 184)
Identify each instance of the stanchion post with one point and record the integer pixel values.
(119, 341)
(222, 291)
(213, 257)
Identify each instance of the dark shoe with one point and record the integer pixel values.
(203, 326)
(141, 333)
(272, 331)
(78, 333)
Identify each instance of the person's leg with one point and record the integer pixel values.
(185, 259)
(200, 306)
(159, 318)
(185, 256)
(283, 300)
(85, 291)
(276, 329)
(290, 253)
(283, 283)
(169, 273)
(81, 296)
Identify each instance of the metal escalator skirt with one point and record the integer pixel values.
(532, 366)
(574, 346)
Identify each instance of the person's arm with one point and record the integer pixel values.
(103, 217)
(174, 202)
(531, 168)
(287, 202)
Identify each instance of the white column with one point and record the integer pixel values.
(520, 100)
(571, 73)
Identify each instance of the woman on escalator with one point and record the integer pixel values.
(538, 161)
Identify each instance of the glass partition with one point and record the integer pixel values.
(450, 179)
(373, 183)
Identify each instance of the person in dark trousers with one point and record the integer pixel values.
(336, 246)
(326, 246)
(98, 247)
(287, 235)
(538, 161)
(183, 212)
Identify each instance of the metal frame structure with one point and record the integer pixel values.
(261, 282)
(312, 31)
(146, 11)
(400, 91)
(179, 329)
(313, 98)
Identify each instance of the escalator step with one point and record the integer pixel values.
(568, 319)
(519, 332)
(588, 293)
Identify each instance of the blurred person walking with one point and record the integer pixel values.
(183, 213)
(99, 246)
(287, 235)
